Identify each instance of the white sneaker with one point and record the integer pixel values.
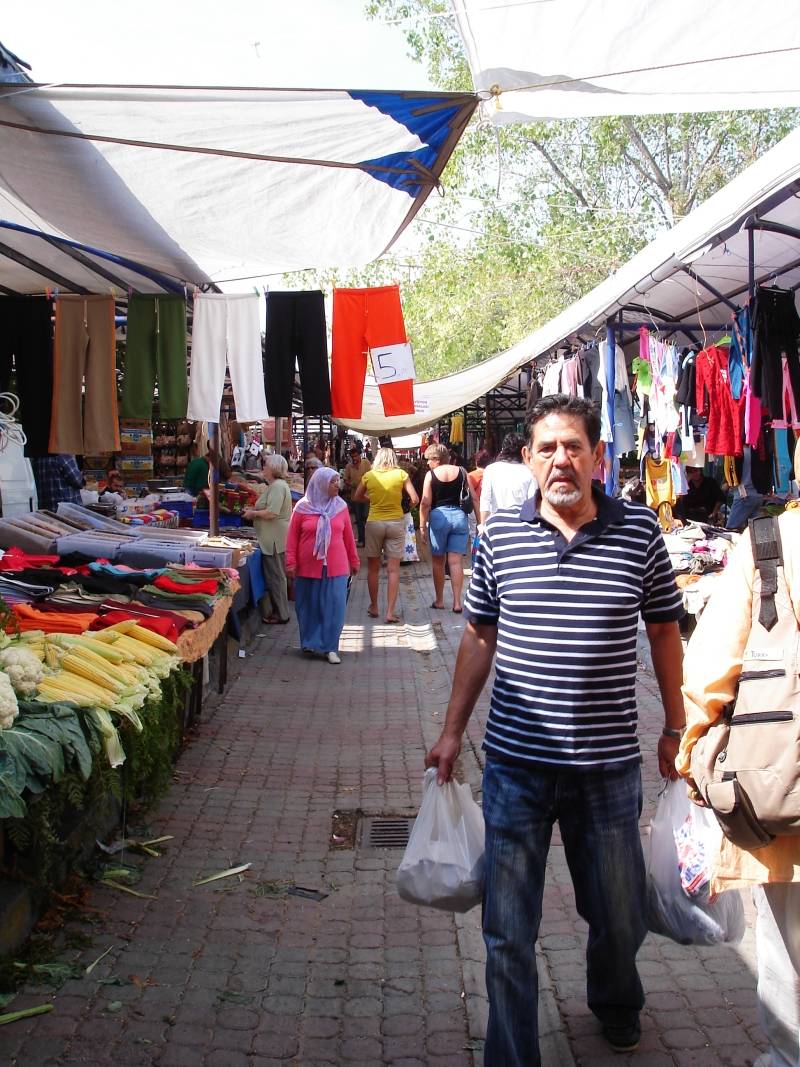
(333, 657)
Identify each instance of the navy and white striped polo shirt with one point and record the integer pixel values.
(567, 616)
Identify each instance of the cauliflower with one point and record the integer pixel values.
(9, 709)
(23, 668)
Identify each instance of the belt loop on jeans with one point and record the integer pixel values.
(86, 314)
(158, 323)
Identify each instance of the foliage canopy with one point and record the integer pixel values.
(534, 215)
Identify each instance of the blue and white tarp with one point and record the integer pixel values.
(212, 184)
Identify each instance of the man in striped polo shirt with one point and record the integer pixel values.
(556, 593)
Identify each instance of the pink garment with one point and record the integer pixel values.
(302, 533)
(752, 413)
(789, 420)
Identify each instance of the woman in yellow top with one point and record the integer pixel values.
(711, 668)
(271, 516)
(383, 486)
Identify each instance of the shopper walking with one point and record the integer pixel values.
(355, 470)
(556, 591)
(475, 478)
(508, 482)
(383, 486)
(712, 669)
(271, 516)
(443, 522)
(320, 556)
(58, 479)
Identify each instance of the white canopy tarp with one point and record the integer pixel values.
(210, 184)
(573, 58)
(652, 287)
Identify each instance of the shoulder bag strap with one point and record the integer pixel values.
(767, 556)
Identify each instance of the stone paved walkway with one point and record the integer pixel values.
(241, 972)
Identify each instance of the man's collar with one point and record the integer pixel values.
(609, 509)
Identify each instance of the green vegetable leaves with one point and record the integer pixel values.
(35, 752)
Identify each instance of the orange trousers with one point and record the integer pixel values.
(84, 420)
(365, 319)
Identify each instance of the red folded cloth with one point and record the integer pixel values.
(166, 627)
(14, 559)
(169, 585)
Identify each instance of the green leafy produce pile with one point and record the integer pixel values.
(54, 769)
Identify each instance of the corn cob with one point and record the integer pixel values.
(73, 687)
(112, 671)
(101, 648)
(52, 657)
(122, 627)
(145, 655)
(81, 665)
(149, 637)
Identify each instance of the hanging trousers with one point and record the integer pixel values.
(155, 350)
(26, 334)
(296, 332)
(84, 362)
(776, 328)
(226, 325)
(365, 319)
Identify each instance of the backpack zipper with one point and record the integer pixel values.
(753, 718)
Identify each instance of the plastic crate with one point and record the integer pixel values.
(184, 508)
(200, 519)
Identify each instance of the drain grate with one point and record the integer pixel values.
(385, 832)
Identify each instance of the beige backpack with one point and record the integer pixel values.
(747, 766)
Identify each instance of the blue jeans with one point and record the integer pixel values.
(448, 529)
(598, 814)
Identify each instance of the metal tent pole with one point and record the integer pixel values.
(213, 502)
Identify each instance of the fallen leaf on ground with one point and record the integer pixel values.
(223, 874)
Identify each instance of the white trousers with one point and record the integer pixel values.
(226, 327)
(778, 956)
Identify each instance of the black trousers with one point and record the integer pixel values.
(296, 331)
(26, 335)
(776, 329)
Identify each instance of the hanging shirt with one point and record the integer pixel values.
(658, 482)
(715, 401)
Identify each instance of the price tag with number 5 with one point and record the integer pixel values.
(393, 363)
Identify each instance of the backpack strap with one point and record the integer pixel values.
(767, 556)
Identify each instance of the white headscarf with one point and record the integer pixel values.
(318, 502)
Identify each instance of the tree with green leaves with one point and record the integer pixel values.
(535, 215)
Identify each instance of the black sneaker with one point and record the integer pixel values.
(623, 1038)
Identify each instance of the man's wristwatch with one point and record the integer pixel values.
(669, 732)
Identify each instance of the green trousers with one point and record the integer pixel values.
(155, 351)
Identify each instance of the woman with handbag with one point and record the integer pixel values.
(718, 650)
(443, 510)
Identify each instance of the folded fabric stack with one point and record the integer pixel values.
(69, 594)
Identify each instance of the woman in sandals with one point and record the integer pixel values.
(386, 527)
(271, 516)
(443, 522)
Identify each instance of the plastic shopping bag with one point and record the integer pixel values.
(684, 843)
(443, 862)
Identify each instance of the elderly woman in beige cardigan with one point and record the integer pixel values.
(712, 666)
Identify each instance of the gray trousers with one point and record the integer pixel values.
(778, 956)
(275, 600)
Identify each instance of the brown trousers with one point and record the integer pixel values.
(84, 420)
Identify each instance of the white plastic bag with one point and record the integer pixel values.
(443, 862)
(689, 920)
